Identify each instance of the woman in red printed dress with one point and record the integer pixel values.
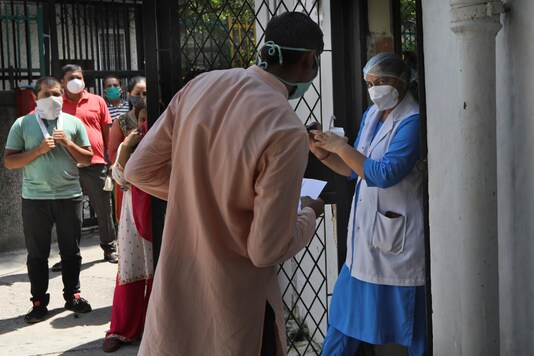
(120, 128)
(135, 268)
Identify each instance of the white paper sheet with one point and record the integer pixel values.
(311, 188)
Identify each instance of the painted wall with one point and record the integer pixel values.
(11, 236)
(515, 148)
(380, 37)
(515, 85)
(441, 92)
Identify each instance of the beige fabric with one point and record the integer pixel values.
(229, 154)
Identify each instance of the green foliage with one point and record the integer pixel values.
(408, 25)
(217, 33)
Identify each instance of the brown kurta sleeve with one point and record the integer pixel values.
(277, 232)
(149, 167)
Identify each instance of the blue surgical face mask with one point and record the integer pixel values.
(302, 87)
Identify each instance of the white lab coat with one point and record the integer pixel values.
(387, 250)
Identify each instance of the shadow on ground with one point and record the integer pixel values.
(99, 316)
(23, 276)
(96, 317)
(95, 348)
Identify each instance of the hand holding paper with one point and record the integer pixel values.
(310, 191)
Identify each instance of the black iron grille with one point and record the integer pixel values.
(408, 26)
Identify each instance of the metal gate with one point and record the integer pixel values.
(39, 37)
(22, 44)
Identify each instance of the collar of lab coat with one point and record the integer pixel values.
(407, 107)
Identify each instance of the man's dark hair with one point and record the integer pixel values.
(292, 29)
(109, 76)
(70, 68)
(49, 81)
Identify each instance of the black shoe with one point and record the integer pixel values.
(36, 314)
(56, 267)
(78, 305)
(111, 257)
(111, 344)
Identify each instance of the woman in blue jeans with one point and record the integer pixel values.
(379, 294)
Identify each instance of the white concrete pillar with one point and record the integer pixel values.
(476, 24)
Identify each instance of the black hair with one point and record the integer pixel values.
(109, 76)
(50, 81)
(70, 68)
(133, 82)
(292, 29)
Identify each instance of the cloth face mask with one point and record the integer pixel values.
(113, 93)
(49, 108)
(75, 86)
(143, 128)
(137, 101)
(384, 96)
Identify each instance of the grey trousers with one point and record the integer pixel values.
(92, 179)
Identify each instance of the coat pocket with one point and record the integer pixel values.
(389, 233)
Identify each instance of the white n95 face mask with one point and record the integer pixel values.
(49, 108)
(76, 86)
(384, 96)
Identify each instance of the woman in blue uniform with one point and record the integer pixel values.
(379, 294)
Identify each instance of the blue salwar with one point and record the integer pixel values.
(376, 314)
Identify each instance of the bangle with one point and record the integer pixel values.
(325, 157)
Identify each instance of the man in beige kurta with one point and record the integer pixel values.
(228, 155)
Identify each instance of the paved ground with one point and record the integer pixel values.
(63, 332)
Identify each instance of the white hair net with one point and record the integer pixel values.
(388, 65)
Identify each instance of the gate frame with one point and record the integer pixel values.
(349, 48)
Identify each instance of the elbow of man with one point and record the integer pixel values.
(86, 160)
(134, 176)
(8, 161)
(8, 164)
(268, 255)
(129, 174)
(87, 157)
(261, 259)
